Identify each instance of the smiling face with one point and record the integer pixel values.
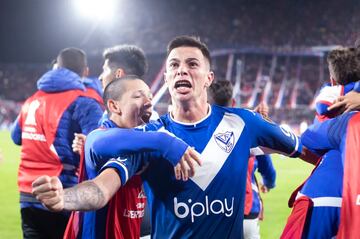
(187, 74)
(135, 106)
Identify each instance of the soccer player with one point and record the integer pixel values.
(207, 205)
(342, 134)
(128, 104)
(220, 93)
(320, 196)
(343, 77)
(44, 129)
(120, 61)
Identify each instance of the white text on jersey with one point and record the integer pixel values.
(198, 209)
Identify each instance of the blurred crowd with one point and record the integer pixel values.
(283, 25)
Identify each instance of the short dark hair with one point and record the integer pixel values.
(115, 89)
(128, 57)
(190, 41)
(345, 63)
(220, 93)
(73, 59)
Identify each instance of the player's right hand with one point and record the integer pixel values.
(186, 166)
(49, 191)
(78, 142)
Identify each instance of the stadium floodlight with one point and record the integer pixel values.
(95, 9)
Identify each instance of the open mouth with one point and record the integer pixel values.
(182, 83)
(146, 117)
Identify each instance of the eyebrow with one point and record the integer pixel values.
(191, 59)
(186, 60)
(147, 93)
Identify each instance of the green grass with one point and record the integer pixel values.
(290, 173)
(10, 226)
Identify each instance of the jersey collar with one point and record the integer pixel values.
(193, 124)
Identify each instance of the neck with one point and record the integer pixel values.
(116, 119)
(190, 112)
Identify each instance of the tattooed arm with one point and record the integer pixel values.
(95, 194)
(88, 195)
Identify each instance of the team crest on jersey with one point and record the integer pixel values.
(225, 141)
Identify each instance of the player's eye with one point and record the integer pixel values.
(193, 64)
(173, 65)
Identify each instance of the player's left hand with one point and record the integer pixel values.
(186, 166)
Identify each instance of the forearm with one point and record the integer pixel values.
(309, 156)
(83, 197)
(93, 194)
(129, 141)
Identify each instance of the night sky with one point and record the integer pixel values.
(34, 30)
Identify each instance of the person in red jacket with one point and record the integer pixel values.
(45, 127)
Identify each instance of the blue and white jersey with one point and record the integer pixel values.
(125, 150)
(211, 204)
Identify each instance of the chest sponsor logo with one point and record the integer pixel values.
(200, 209)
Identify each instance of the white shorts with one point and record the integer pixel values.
(251, 229)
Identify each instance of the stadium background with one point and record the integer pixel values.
(271, 50)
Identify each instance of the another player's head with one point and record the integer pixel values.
(73, 59)
(128, 101)
(123, 60)
(220, 93)
(344, 65)
(188, 73)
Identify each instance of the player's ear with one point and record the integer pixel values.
(113, 106)
(119, 73)
(209, 79)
